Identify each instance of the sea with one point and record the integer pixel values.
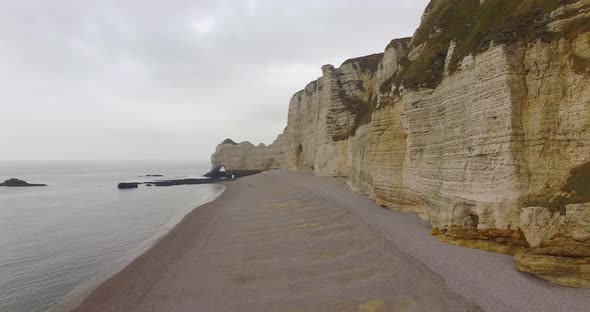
(59, 241)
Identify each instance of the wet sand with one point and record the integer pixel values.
(281, 241)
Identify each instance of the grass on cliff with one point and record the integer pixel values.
(578, 184)
(361, 109)
(576, 190)
(473, 26)
(368, 63)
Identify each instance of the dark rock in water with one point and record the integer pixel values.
(128, 185)
(18, 183)
(191, 181)
(215, 174)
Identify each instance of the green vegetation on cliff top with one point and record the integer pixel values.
(473, 26)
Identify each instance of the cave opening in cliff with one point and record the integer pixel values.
(217, 172)
(474, 220)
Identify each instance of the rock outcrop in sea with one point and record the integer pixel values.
(480, 123)
(13, 182)
(128, 185)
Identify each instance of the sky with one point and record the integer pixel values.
(169, 80)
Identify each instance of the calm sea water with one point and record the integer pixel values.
(55, 241)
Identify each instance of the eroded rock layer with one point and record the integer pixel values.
(480, 123)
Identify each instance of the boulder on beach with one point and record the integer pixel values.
(19, 183)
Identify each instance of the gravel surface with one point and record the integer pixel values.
(282, 241)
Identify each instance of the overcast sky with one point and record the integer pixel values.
(136, 79)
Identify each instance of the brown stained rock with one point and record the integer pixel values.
(561, 261)
(564, 247)
(565, 271)
(495, 240)
(568, 249)
(501, 236)
(435, 231)
(487, 245)
(560, 251)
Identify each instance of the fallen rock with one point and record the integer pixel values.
(577, 222)
(559, 235)
(560, 244)
(539, 224)
(18, 183)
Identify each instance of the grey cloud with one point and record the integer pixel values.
(170, 79)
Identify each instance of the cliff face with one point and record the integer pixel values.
(474, 122)
(245, 158)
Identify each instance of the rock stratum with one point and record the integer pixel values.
(480, 123)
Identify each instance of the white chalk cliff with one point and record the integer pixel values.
(480, 124)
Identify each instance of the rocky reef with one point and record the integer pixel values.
(128, 185)
(480, 123)
(170, 182)
(18, 183)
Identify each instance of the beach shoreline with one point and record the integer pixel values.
(79, 294)
(290, 241)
